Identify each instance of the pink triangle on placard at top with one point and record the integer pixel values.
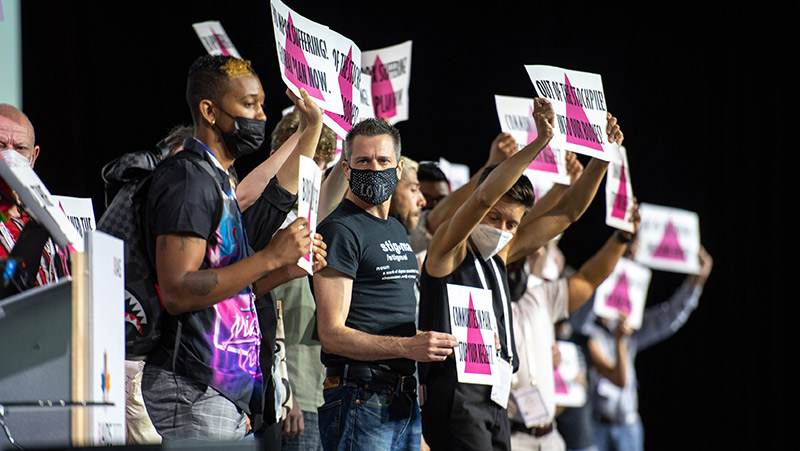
(670, 248)
(575, 112)
(222, 47)
(382, 91)
(346, 88)
(293, 51)
(545, 161)
(475, 338)
(620, 206)
(619, 299)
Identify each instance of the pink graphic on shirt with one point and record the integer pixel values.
(578, 122)
(382, 91)
(545, 161)
(670, 248)
(620, 206)
(346, 77)
(296, 67)
(561, 386)
(476, 358)
(236, 335)
(619, 299)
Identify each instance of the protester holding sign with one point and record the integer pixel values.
(617, 424)
(366, 305)
(211, 338)
(483, 224)
(490, 223)
(538, 308)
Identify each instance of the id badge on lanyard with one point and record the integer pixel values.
(502, 389)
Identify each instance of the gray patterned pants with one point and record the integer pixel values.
(184, 409)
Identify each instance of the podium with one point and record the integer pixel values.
(35, 331)
(62, 345)
(62, 351)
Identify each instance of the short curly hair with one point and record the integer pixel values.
(285, 128)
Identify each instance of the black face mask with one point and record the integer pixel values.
(373, 187)
(247, 137)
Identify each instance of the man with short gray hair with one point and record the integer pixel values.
(366, 305)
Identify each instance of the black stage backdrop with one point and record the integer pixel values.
(695, 90)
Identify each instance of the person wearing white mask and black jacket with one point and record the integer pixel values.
(472, 248)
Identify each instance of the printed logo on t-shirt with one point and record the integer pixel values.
(396, 251)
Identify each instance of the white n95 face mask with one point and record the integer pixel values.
(15, 159)
(489, 240)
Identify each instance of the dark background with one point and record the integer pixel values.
(696, 90)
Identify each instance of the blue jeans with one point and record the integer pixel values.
(619, 437)
(364, 414)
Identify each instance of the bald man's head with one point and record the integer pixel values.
(16, 133)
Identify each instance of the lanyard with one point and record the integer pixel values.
(213, 157)
(501, 287)
(246, 250)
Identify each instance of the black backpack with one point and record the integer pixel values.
(127, 181)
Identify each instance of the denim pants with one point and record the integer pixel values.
(619, 437)
(365, 414)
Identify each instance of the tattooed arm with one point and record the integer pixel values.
(184, 287)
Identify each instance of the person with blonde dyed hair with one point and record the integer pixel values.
(204, 378)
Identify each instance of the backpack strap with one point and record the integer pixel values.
(203, 163)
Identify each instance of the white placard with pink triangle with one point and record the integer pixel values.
(473, 323)
(570, 376)
(623, 292)
(619, 194)
(580, 107)
(516, 118)
(305, 58)
(388, 73)
(668, 239)
(215, 39)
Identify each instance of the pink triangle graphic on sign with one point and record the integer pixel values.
(620, 206)
(295, 53)
(346, 88)
(545, 161)
(221, 45)
(575, 112)
(561, 386)
(670, 247)
(618, 299)
(475, 338)
(382, 91)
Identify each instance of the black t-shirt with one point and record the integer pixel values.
(434, 312)
(377, 255)
(220, 345)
